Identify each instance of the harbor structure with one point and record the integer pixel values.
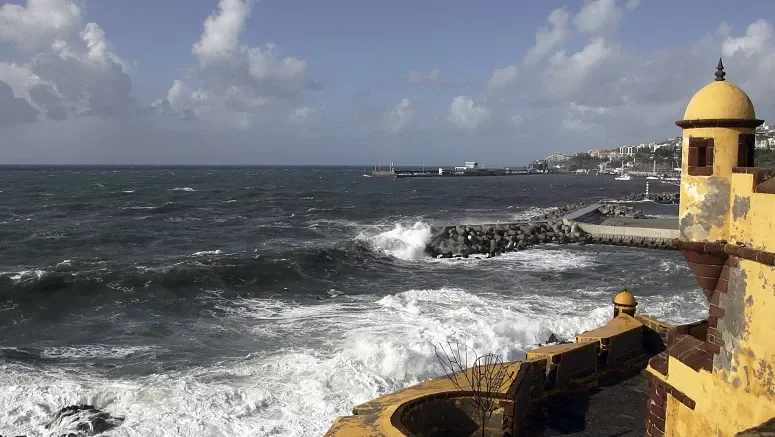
(470, 168)
(637, 375)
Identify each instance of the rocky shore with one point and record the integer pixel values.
(81, 421)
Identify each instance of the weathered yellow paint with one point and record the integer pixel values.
(705, 212)
(674, 425)
(739, 391)
(721, 100)
(619, 326)
(753, 221)
(729, 401)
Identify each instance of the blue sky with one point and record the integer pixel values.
(352, 81)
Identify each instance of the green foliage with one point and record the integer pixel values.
(764, 158)
(583, 161)
(665, 153)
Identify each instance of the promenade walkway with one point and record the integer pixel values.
(616, 408)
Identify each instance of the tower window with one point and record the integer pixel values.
(700, 156)
(746, 146)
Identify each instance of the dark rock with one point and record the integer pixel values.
(553, 339)
(86, 419)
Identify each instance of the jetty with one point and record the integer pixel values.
(598, 223)
(470, 168)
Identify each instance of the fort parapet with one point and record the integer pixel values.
(714, 377)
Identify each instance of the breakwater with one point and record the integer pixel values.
(663, 198)
(594, 224)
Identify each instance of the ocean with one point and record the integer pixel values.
(269, 301)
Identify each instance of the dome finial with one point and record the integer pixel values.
(720, 71)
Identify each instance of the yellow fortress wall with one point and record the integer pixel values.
(725, 383)
(710, 378)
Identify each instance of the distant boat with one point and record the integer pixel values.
(624, 176)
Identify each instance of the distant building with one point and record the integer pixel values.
(557, 157)
(472, 164)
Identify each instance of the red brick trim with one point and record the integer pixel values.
(689, 351)
(656, 407)
(721, 249)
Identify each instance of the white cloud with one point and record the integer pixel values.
(220, 37)
(14, 109)
(432, 77)
(598, 16)
(235, 83)
(40, 22)
(758, 37)
(265, 65)
(567, 76)
(71, 70)
(502, 77)
(307, 119)
(464, 113)
(548, 38)
(401, 115)
(632, 4)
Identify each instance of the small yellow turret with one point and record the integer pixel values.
(624, 302)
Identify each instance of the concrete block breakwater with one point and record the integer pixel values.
(585, 226)
(663, 198)
(492, 240)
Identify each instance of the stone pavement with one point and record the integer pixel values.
(613, 409)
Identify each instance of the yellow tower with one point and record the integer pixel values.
(718, 135)
(723, 382)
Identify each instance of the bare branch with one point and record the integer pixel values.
(487, 377)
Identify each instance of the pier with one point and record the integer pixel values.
(624, 230)
(469, 169)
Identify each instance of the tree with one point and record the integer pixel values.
(487, 377)
(764, 157)
(664, 153)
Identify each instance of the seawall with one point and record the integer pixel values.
(594, 224)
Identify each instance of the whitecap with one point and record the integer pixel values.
(207, 252)
(402, 242)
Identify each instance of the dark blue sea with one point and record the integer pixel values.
(268, 301)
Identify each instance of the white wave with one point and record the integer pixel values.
(188, 189)
(407, 243)
(128, 191)
(328, 358)
(27, 275)
(545, 258)
(207, 252)
(139, 207)
(95, 351)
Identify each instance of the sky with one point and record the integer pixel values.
(354, 82)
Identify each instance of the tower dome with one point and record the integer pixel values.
(720, 100)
